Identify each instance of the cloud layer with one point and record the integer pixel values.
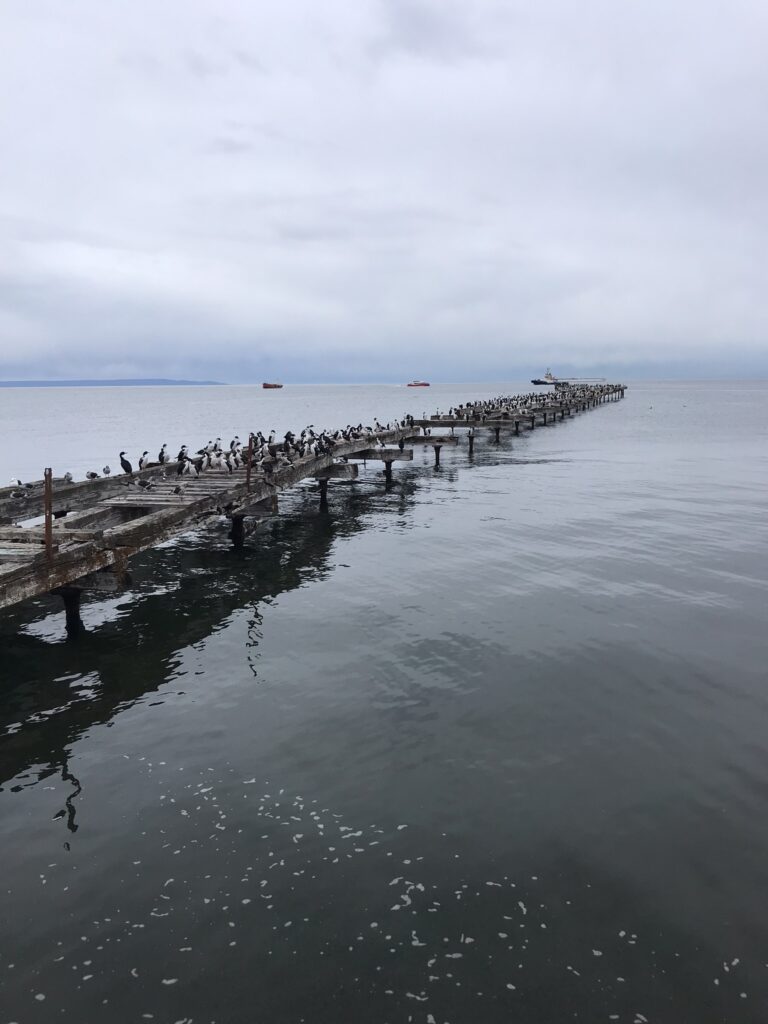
(375, 190)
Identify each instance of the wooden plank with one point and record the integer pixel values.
(140, 501)
(33, 535)
(339, 471)
(71, 533)
(383, 455)
(433, 439)
(79, 494)
(24, 554)
(37, 485)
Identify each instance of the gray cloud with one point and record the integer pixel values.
(342, 190)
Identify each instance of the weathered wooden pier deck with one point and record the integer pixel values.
(92, 528)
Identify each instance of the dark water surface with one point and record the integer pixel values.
(491, 747)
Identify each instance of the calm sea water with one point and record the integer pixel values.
(492, 746)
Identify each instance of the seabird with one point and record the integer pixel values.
(92, 476)
(143, 460)
(127, 467)
(162, 456)
(106, 471)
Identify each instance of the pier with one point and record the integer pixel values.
(90, 529)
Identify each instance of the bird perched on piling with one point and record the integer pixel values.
(162, 456)
(127, 467)
(144, 460)
(68, 478)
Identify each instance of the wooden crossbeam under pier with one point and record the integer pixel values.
(341, 471)
(384, 455)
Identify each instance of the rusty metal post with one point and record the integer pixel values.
(248, 463)
(48, 511)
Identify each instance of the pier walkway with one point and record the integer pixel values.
(92, 528)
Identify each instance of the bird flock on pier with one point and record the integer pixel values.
(268, 454)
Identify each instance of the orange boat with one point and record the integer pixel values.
(271, 385)
(418, 384)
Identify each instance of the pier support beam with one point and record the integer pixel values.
(471, 439)
(388, 473)
(237, 533)
(517, 428)
(323, 495)
(437, 456)
(497, 431)
(71, 597)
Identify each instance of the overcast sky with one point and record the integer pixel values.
(382, 189)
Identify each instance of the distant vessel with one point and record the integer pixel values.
(548, 378)
(418, 384)
(271, 385)
(564, 382)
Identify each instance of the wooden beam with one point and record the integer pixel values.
(339, 471)
(433, 439)
(383, 455)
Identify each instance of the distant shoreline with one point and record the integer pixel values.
(128, 383)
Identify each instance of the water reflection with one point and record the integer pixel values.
(183, 593)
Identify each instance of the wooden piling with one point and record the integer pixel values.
(48, 512)
(248, 465)
(237, 533)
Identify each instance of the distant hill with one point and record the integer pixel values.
(149, 382)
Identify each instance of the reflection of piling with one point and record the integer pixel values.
(71, 598)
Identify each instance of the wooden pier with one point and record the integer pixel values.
(92, 528)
